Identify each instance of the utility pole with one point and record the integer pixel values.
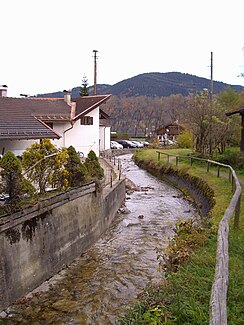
(95, 71)
(211, 82)
(211, 107)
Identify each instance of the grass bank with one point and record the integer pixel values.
(183, 298)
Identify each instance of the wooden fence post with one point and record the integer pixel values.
(120, 173)
(237, 214)
(218, 171)
(233, 184)
(158, 155)
(111, 178)
(177, 160)
(230, 174)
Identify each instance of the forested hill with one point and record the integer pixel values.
(154, 84)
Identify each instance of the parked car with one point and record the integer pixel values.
(127, 144)
(145, 143)
(138, 143)
(115, 145)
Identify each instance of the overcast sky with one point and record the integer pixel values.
(47, 45)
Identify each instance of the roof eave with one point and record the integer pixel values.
(27, 137)
(88, 110)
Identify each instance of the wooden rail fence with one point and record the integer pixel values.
(218, 300)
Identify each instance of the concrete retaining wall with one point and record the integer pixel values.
(39, 241)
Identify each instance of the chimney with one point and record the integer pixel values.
(3, 90)
(67, 96)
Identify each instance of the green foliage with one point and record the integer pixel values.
(229, 99)
(152, 308)
(44, 165)
(154, 316)
(93, 167)
(84, 90)
(235, 159)
(59, 177)
(13, 183)
(212, 129)
(185, 139)
(189, 234)
(76, 170)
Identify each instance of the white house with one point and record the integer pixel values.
(79, 122)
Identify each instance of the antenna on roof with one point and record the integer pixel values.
(24, 95)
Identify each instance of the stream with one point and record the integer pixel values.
(98, 286)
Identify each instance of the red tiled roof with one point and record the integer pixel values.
(19, 117)
(86, 104)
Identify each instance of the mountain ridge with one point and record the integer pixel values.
(153, 84)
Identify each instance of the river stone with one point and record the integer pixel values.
(132, 224)
(3, 314)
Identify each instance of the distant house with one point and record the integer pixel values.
(79, 122)
(170, 131)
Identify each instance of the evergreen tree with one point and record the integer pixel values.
(84, 90)
(13, 182)
(95, 171)
(76, 170)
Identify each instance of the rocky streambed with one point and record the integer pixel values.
(99, 286)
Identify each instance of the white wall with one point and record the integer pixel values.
(84, 138)
(16, 146)
(104, 137)
(60, 128)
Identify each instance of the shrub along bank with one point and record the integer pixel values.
(188, 265)
(43, 169)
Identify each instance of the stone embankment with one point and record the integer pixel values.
(39, 241)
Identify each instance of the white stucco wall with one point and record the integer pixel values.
(16, 146)
(61, 128)
(83, 138)
(104, 137)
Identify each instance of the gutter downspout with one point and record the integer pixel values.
(72, 122)
(104, 135)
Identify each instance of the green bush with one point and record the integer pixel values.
(235, 159)
(77, 171)
(185, 139)
(13, 182)
(93, 167)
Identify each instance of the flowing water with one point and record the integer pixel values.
(99, 285)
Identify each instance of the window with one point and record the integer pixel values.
(86, 120)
